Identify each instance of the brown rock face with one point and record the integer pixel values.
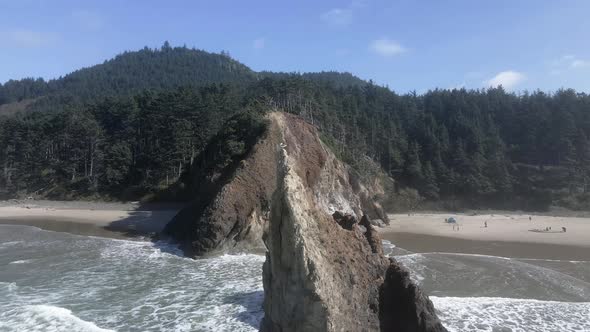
(372, 236)
(324, 269)
(402, 305)
(345, 221)
(232, 208)
(322, 272)
(232, 205)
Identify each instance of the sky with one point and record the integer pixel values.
(406, 45)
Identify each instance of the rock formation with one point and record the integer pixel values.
(232, 202)
(283, 190)
(232, 205)
(323, 270)
(403, 306)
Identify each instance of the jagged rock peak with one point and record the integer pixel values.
(323, 270)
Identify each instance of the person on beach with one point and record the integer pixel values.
(530, 218)
(563, 229)
(485, 224)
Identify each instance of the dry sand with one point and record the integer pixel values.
(504, 227)
(89, 218)
(509, 235)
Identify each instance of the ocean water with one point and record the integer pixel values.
(52, 281)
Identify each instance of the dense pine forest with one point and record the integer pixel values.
(133, 126)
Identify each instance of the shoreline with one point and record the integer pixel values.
(422, 243)
(72, 227)
(507, 235)
(504, 235)
(104, 219)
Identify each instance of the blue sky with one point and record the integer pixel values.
(407, 45)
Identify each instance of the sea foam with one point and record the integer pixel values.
(471, 314)
(46, 318)
(80, 283)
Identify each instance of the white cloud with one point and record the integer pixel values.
(341, 17)
(27, 38)
(507, 79)
(578, 63)
(568, 57)
(338, 16)
(259, 43)
(386, 47)
(568, 62)
(88, 19)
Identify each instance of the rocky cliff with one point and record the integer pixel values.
(272, 184)
(233, 201)
(324, 271)
(233, 180)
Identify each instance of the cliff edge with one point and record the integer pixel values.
(325, 270)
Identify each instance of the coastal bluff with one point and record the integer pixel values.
(324, 269)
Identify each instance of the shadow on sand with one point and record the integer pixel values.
(147, 221)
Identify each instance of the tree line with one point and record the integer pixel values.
(484, 147)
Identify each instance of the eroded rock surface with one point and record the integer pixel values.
(232, 208)
(322, 271)
(403, 306)
(346, 221)
(232, 204)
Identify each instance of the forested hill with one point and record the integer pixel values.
(132, 72)
(482, 148)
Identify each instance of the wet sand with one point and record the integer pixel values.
(421, 243)
(72, 227)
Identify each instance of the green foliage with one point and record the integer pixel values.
(470, 140)
(142, 121)
(125, 147)
(131, 73)
(220, 157)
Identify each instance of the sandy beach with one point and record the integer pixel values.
(89, 218)
(509, 235)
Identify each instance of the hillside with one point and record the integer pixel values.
(133, 127)
(132, 72)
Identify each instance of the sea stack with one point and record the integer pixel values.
(232, 207)
(287, 193)
(324, 271)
